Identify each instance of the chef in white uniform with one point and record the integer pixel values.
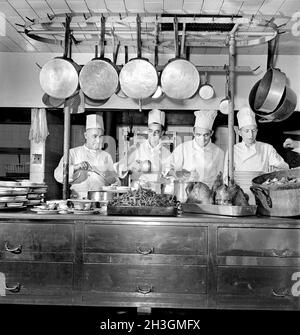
(200, 156)
(150, 152)
(252, 155)
(89, 166)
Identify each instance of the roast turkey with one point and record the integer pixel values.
(199, 193)
(228, 195)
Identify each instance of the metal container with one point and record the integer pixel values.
(101, 196)
(277, 200)
(181, 190)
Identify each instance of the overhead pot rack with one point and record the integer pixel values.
(201, 30)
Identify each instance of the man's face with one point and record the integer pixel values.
(94, 138)
(154, 133)
(248, 134)
(202, 136)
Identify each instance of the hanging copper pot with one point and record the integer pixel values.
(138, 78)
(180, 78)
(99, 78)
(59, 76)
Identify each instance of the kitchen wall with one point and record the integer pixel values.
(19, 85)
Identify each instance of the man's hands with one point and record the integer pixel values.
(82, 166)
(291, 144)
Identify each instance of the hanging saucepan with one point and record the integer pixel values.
(224, 103)
(284, 110)
(206, 91)
(59, 76)
(138, 78)
(99, 78)
(180, 78)
(270, 91)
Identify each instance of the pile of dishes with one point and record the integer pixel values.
(12, 195)
(70, 206)
(36, 192)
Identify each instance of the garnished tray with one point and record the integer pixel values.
(142, 211)
(219, 209)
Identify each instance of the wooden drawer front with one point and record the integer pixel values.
(135, 278)
(37, 278)
(20, 241)
(260, 281)
(146, 240)
(259, 242)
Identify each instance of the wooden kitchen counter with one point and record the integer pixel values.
(190, 261)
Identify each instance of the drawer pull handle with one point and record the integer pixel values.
(281, 293)
(144, 290)
(16, 250)
(14, 289)
(146, 251)
(243, 284)
(282, 253)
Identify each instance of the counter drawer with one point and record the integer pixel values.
(259, 242)
(259, 281)
(145, 240)
(144, 280)
(37, 278)
(22, 241)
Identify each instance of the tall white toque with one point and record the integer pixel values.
(205, 118)
(246, 117)
(156, 116)
(94, 121)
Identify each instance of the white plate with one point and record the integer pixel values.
(44, 211)
(9, 184)
(92, 211)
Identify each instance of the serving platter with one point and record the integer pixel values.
(141, 211)
(219, 209)
(44, 211)
(85, 212)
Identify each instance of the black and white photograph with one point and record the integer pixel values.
(149, 166)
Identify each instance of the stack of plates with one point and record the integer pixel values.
(36, 192)
(12, 195)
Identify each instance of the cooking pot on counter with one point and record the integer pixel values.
(182, 189)
(101, 196)
(277, 199)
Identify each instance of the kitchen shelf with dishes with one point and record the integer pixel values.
(20, 194)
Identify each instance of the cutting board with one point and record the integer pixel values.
(141, 211)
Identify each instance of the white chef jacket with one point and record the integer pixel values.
(158, 155)
(258, 157)
(83, 181)
(207, 161)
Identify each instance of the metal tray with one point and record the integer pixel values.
(141, 211)
(219, 209)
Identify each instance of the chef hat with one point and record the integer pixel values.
(246, 117)
(94, 121)
(205, 118)
(157, 116)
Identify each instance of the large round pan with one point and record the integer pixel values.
(59, 76)
(99, 78)
(180, 78)
(285, 108)
(270, 91)
(138, 78)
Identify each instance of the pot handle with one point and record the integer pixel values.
(263, 195)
